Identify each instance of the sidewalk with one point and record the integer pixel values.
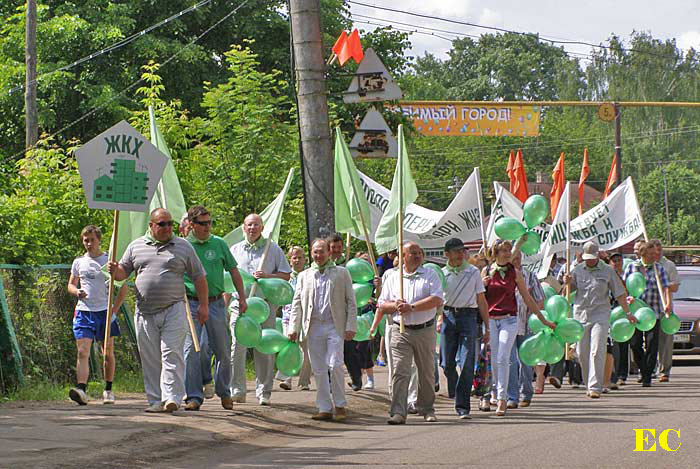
(50, 434)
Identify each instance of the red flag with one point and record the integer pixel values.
(509, 171)
(558, 186)
(340, 43)
(520, 189)
(348, 47)
(612, 177)
(582, 180)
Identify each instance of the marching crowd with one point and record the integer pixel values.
(480, 313)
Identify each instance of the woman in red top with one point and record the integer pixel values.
(501, 280)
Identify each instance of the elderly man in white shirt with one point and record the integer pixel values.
(324, 315)
(422, 295)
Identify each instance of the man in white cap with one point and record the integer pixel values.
(594, 281)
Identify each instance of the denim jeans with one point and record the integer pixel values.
(502, 338)
(520, 379)
(206, 354)
(220, 342)
(457, 338)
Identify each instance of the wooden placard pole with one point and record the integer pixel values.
(402, 327)
(347, 247)
(567, 289)
(110, 292)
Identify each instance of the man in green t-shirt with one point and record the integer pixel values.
(215, 256)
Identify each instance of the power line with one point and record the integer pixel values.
(115, 46)
(504, 30)
(132, 85)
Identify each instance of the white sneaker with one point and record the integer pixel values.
(264, 400)
(368, 385)
(78, 395)
(208, 391)
(108, 397)
(154, 408)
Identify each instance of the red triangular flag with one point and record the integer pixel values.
(520, 189)
(355, 46)
(612, 177)
(509, 171)
(558, 186)
(340, 43)
(582, 180)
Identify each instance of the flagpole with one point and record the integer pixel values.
(347, 247)
(110, 294)
(400, 226)
(567, 289)
(481, 208)
(646, 238)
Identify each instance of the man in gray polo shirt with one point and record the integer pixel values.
(593, 282)
(248, 255)
(160, 261)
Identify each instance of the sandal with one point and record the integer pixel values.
(501, 409)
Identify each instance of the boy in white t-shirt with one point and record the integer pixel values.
(88, 283)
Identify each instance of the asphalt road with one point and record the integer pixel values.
(562, 428)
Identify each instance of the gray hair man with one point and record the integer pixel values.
(249, 256)
(160, 261)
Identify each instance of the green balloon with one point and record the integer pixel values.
(509, 228)
(621, 330)
(535, 325)
(572, 297)
(438, 271)
(363, 292)
(646, 319)
(272, 341)
(276, 290)
(228, 283)
(290, 359)
(258, 309)
(637, 304)
(670, 325)
(617, 313)
(553, 350)
(381, 327)
(531, 350)
(362, 331)
(437, 339)
(548, 290)
(247, 331)
(532, 244)
(248, 279)
(557, 307)
(569, 330)
(360, 270)
(279, 326)
(636, 283)
(535, 210)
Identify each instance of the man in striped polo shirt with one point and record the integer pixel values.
(160, 261)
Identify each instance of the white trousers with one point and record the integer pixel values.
(326, 356)
(593, 348)
(161, 342)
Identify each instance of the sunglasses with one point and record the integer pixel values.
(202, 223)
(163, 224)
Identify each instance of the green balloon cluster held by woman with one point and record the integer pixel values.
(548, 290)
(535, 210)
(509, 229)
(557, 307)
(532, 243)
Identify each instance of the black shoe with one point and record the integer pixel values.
(646, 385)
(437, 387)
(355, 387)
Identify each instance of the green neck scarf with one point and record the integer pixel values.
(193, 239)
(411, 275)
(646, 266)
(293, 274)
(151, 239)
(458, 269)
(501, 269)
(321, 268)
(257, 244)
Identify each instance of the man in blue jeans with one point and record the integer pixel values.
(464, 299)
(215, 256)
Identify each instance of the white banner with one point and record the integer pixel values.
(612, 223)
(431, 228)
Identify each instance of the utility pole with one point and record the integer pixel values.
(31, 119)
(618, 145)
(312, 107)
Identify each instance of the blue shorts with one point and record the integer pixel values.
(91, 325)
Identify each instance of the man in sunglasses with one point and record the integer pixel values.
(160, 261)
(215, 257)
(260, 261)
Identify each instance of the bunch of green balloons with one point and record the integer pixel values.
(271, 341)
(247, 331)
(290, 359)
(547, 345)
(360, 270)
(636, 283)
(535, 210)
(258, 309)
(363, 293)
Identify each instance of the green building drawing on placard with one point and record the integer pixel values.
(126, 186)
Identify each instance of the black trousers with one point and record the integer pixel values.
(352, 359)
(645, 346)
(621, 354)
